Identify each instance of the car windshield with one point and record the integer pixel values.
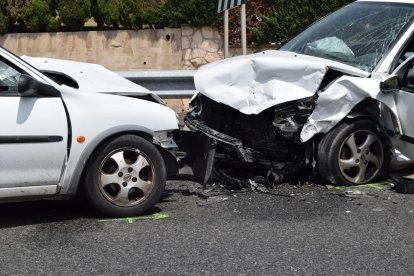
(359, 34)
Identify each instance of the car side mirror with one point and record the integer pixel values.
(30, 87)
(390, 85)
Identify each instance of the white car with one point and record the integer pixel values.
(56, 140)
(337, 98)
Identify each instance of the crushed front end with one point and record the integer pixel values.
(271, 138)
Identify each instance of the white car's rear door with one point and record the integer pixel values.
(33, 134)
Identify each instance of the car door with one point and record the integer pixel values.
(33, 134)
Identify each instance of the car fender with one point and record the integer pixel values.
(98, 117)
(78, 158)
(339, 100)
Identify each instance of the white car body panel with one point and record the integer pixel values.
(337, 101)
(90, 77)
(90, 117)
(13, 194)
(20, 161)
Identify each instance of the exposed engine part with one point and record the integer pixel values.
(287, 126)
(290, 118)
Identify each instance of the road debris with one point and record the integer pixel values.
(213, 200)
(403, 183)
(258, 185)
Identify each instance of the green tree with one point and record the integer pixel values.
(195, 12)
(4, 23)
(4, 18)
(127, 8)
(37, 17)
(74, 13)
(106, 12)
(15, 11)
(148, 13)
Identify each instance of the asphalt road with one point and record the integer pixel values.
(298, 230)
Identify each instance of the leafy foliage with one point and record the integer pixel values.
(74, 13)
(127, 8)
(4, 18)
(195, 12)
(105, 12)
(4, 22)
(37, 16)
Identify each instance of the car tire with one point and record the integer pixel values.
(353, 153)
(125, 177)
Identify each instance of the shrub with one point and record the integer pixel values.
(127, 8)
(149, 13)
(74, 13)
(195, 12)
(37, 17)
(106, 12)
(4, 23)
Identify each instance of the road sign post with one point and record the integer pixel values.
(243, 29)
(224, 6)
(226, 33)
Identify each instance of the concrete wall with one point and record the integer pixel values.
(116, 50)
(166, 49)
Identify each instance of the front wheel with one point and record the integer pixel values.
(354, 152)
(125, 177)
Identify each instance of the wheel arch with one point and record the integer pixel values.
(368, 109)
(76, 172)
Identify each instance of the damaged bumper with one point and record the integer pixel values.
(220, 138)
(270, 139)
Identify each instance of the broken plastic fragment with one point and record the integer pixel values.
(213, 200)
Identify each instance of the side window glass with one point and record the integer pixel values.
(9, 78)
(408, 83)
(407, 52)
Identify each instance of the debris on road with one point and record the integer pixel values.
(404, 182)
(213, 200)
(258, 185)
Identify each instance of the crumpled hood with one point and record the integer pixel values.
(254, 83)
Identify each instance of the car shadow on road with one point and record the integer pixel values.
(44, 211)
(49, 211)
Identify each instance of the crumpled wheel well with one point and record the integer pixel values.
(368, 108)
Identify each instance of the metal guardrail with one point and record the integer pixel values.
(164, 83)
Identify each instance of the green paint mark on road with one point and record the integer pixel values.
(378, 186)
(134, 219)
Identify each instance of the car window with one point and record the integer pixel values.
(9, 78)
(358, 35)
(408, 83)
